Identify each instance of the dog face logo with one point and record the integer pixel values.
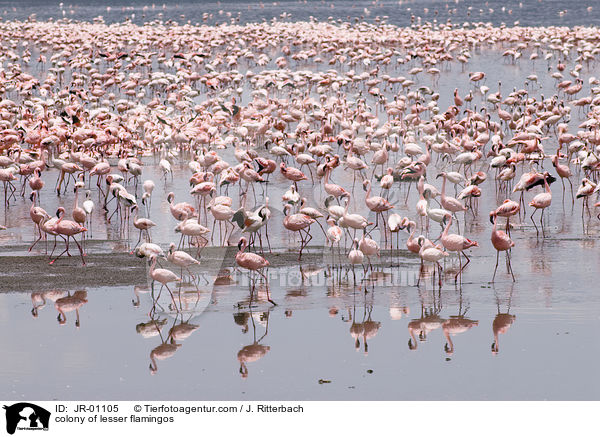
(26, 416)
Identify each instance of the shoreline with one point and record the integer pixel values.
(29, 273)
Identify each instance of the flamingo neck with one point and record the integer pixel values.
(449, 340)
(413, 336)
(153, 365)
(447, 228)
(444, 186)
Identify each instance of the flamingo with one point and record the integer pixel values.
(430, 253)
(334, 232)
(564, 172)
(450, 203)
(37, 215)
(163, 276)
(298, 223)
(502, 243)
(507, 209)
(541, 201)
(252, 261)
(333, 189)
(143, 224)
(178, 210)
(181, 259)
(456, 243)
(376, 204)
(68, 228)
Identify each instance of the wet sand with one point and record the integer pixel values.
(21, 273)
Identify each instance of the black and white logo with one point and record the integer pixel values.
(26, 416)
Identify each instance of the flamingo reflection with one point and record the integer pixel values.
(151, 328)
(501, 322)
(457, 325)
(428, 322)
(70, 303)
(366, 329)
(255, 351)
(38, 299)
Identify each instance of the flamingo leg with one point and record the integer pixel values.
(531, 217)
(510, 265)
(496, 268)
(80, 250)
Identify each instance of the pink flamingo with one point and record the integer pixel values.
(298, 223)
(333, 189)
(564, 172)
(501, 242)
(163, 276)
(507, 209)
(37, 215)
(143, 224)
(252, 261)
(450, 203)
(293, 174)
(456, 243)
(36, 183)
(68, 228)
(541, 201)
(377, 204)
(178, 210)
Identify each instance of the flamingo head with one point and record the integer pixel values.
(492, 216)
(242, 243)
(494, 348)
(448, 349)
(447, 217)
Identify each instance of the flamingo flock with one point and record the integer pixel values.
(212, 124)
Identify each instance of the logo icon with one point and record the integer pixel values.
(26, 416)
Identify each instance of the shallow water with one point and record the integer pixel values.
(399, 12)
(546, 350)
(545, 354)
